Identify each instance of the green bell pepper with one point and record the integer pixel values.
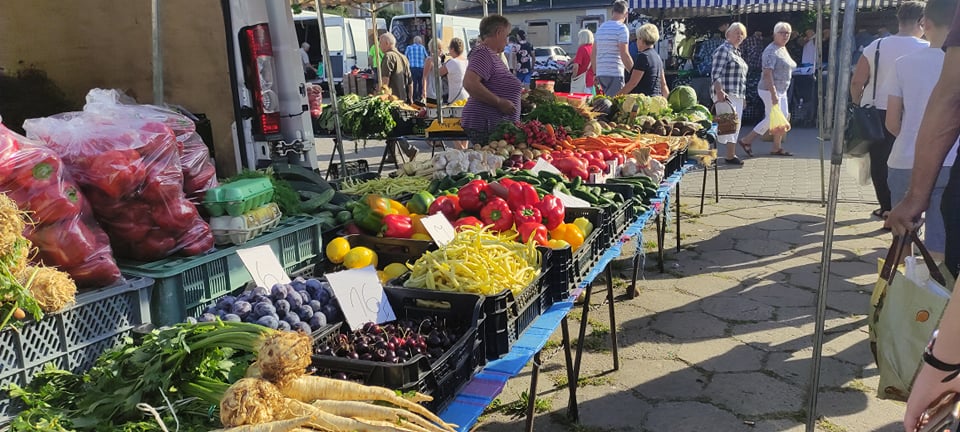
(420, 202)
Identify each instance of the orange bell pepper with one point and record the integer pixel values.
(569, 233)
(418, 227)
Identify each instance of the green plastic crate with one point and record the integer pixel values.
(185, 286)
(238, 197)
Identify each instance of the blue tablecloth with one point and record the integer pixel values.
(483, 388)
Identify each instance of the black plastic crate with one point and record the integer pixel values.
(508, 316)
(594, 244)
(441, 378)
(357, 176)
(674, 163)
(354, 169)
(389, 250)
(560, 277)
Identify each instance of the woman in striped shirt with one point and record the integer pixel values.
(494, 91)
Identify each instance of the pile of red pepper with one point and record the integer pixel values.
(64, 231)
(130, 171)
(503, 205)
(581, 163)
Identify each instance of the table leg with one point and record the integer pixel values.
(678, 217)
(703, 188)
(573, 412)
(583, 334)
(613, 318)
(333, 155)
(636, 271)
(532, 395)
(660, 236)
(387, 149)
(716, 183)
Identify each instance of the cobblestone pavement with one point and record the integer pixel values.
(722, 340)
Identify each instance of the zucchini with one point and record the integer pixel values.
(313, 204)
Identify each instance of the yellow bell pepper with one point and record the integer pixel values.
(421, 236)
(383, 206)
(418, 228)
(586, 227)
(557, 244)
(569, 233)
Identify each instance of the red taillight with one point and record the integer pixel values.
(260, 78)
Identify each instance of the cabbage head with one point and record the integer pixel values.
(682, 97)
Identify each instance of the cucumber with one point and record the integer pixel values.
(586, 196)
(549, 175)
(332, 208)
(343, 217)
(313, 204)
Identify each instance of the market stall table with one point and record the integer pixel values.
(481, 390)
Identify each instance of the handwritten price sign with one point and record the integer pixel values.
(361, 296)
(263, 266)
(439, 229)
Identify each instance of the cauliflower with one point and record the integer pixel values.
(657, 105)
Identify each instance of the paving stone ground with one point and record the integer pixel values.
(722, 340)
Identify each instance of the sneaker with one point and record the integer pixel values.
(734, 161)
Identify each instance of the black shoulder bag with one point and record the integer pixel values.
(864, 126)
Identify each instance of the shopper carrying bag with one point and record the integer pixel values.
(865, 124)
(905, 309)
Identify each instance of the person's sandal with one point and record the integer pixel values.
(747, 147)
(734, 161)
(781, 152)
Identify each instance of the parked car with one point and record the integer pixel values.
(552, 52)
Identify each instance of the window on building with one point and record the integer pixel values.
(563, 33)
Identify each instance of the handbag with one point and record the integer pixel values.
(864, 126)
(905, 309)
(579, 84)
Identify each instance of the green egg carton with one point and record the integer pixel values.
(239, 197)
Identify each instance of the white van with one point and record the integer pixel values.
(346, 38)
(406, 27)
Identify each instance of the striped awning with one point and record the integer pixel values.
(702, 8)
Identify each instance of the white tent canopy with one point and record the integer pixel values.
(706, 8)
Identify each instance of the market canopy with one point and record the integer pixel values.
(706, 8)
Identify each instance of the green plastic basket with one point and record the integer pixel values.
(185, 286)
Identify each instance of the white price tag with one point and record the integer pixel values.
(570, 200)
(543, 165)
(439, 228)
(361, 296)
(263, 266)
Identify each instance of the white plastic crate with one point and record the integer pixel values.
(72, 339)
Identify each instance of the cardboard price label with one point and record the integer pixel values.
(439, 228)
(361, 297)
(263, 266)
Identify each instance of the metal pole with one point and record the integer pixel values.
(376, 40)
(328, 69)
(486, 9)
(831, 94)
(819, 99)
(436, 59)
(500, 7)
(157, 53)
(835, 160)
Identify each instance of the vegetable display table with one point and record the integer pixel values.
(470, 403)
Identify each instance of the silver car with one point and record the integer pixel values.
(551, 52)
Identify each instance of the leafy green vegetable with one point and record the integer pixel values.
(559, 114)
(187, 366)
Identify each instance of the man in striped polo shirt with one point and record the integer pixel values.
(611, 55)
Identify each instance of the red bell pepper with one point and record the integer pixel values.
(65, 244)
(43, 170)
(195, 241)
(523, 194)
(116, 172)
(527, 213)
(534, 230)
(497, 213)
(50, 204)
(467, 221)
(397, 226)
(449, 205)
(176, 216)
(157, 244)
(552, 210)
(474, 195)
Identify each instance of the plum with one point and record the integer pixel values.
(278, 291)
(332, 312)
(305, 296)
(302, 326)
(269, 321)
(242, 308)
(264, 308)
(323, 295)
(316, 305)
(283, 307)
(305, 313)
(259, 298)
(244, 297)
(291, 319)
(231, 318)
(226, 302)
(318, 320)
(207, 317)
(295, 301)
(260, 291)
(191, 320)
(313, 285)
(283, 325)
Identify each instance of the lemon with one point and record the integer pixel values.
(337, 249)
(394, 270)
(359, 257)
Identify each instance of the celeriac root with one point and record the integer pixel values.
(251, 401)
(52, 288)
(284, 356)
(11, 225)
(367, 411)
(310, 388)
